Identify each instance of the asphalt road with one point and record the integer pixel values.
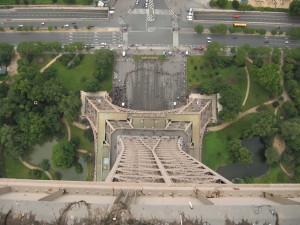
(92, 38)
(52, 14)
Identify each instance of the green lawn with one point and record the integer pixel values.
(215, 152)
(15, 169)
(84, 142)
(275, 175)
(72, 79)
(197, 73)
(45, 59)
(257, 94)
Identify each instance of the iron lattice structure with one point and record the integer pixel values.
(150, 146)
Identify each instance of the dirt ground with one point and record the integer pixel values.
(13, 66)
(279, 144)
(270, 3)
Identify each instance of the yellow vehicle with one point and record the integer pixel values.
(239, 24)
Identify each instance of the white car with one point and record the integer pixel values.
(208, 38)
(20, 25)
(66, 25)
(287, 42)
(42, 23)
(208, 41)
(137, 2)
(189, 18)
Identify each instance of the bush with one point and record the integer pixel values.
(88, 133)
(75, 141)
(45, 165)
(57, 176)
(261, 31)
(78, 168)
(218, 29)
(35, 174)
(199, 29)
(274, 32)
(88, 158)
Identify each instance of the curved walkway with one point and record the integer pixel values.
(50, 63)
(241, 115)
(248, 86)
(68, 128)
(31, 167)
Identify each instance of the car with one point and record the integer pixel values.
(120, 46)
(287, 42)
(208, 41)
(137, 2)
(42, 23)
(73, 22)
(278, 27)
(236, 16)
(189, 18)
(234, 37)
(266, 41)
(66, 25)
(146, 5)
(20, 25)
(208, 38)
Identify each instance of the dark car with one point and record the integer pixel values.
(234, 37)
(266, 41)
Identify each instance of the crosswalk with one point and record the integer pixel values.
(146, 11)
(150, 29)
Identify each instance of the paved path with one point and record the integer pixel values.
(241, 115)
(79, 125)
(84, 151)
(248, 86)
(68, 128)
(31, 167)
(50, 63)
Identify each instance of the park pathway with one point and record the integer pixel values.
(50, 63)
(68, 128)
(31, 167)
(79, 125)
(248, 86)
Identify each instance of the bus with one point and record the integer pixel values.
(239, 24)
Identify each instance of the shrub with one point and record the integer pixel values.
(274, 32)
(45, 165)
(78, 168)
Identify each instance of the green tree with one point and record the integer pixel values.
(78, 168)
(218, 29)
(272, 156)
(289, 110)
(274, 32)
(294, 32)
(264, 126)
(198, 29)
(214, 54)
(290, 131)
(45, 165)
(222, 3)
(240, 57)
(294, 8)
(63, 154)
(239, 154)
(276, 54)
(269, 76)
(57, 176)
(235, 4)
(75, 141)
(6, 53)
(231, 100)
(70, 106)
(35, 174)
(103, 64)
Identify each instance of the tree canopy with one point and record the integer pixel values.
(239, 153)
(231, 101)
(294, 8)
(103, 64)
(272, 156)
(63, 154)
(6, 53)
(70, 106)
(198, 29)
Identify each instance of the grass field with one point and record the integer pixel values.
(84, 142)
(275, 175)
(215, 151)
(257, 94)
(197, 73)
(15, 169)
(72, 79)
(45, 60)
